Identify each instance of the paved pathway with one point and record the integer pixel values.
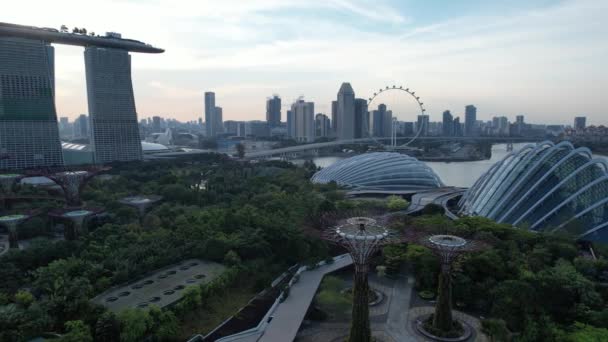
(289, 314)
(398, 311)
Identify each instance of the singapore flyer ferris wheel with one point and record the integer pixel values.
(384, 125)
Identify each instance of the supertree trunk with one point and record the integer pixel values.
(70, 231)
(442, 320)
(360, 328)
(13, 237)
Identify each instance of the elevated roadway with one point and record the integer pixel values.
(317, 146)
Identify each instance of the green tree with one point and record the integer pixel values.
(134, 324)
(107, 328)
(496, 329)
(240, 150)
(77, 331)
(396, 203)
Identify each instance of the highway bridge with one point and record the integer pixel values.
(285, 151)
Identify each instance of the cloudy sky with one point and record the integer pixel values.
(547, 59)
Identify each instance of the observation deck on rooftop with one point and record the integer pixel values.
(52, 35)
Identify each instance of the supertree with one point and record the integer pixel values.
(141, 203)
(77, 218)
(7, 181)
(71, 181)
(447, 248)
(12, 222)
(362, 237)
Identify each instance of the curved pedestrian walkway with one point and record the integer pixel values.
(289, 315)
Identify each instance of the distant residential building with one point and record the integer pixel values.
(470, 120)
(231, 127)
(422, 125)
(273, 111)
(303, 117)
(580, 123)
(447, 124)
(346, 112)
(458, 131)
(322, 125)
(257, 128)
(361, 119)
(219, 120)
(210, 118)
(334, 117)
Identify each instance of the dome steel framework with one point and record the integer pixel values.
(545, 187)
(380, 171)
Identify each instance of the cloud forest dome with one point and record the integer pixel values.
(380, 171)
(545, 187)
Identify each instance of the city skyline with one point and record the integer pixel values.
(452, 55)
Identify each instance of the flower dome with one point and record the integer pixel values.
(545, 187)
(380, 171)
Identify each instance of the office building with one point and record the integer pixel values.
(303, 121)
(210, 118)
(113, 118)
(273, 111)
(291, 124)
(29, 134)
(422, 125)
(334, 117)
(81, 126)
(470, 121)
(231, 127)
(382, 121)
(447, 124)
(458, 131)
(219, 120)
(322, 125)
(156, 128)
(580, 122)
(257, 128)
(361, 119)
(346, 112)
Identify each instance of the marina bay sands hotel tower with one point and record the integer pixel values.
(29, 134)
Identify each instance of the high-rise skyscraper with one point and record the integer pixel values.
(273, 111)
(219, 120)
(29, 135)
(291, 124)
(422, 125)
(470, 120)
(210, 118)
(361, 119)
(580, 122)
(448, 124)
(346, 112)
(382, 122)
(156, 124)
(322, 125)
(304, 119)
(81, 126)
(113, 118)
(334, 117)
(457, 127)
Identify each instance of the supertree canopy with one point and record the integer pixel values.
(362, 237)
(71, 181)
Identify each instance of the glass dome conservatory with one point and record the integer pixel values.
(379, 171)
(545, 187)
